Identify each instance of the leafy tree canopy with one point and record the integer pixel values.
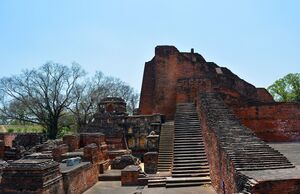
(286, 89)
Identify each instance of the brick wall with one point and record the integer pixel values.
(276, 122)
(222, 172)
(58, 151)
(81, 178)
(281, 186)
(233, 148)
(8, 138)
(73, 142)
(173, 76)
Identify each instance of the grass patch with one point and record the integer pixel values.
(21, 128)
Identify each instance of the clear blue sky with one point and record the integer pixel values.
(259, 40)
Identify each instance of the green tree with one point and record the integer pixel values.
(286, 89)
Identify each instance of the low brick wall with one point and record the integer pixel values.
(79, 178)
(130, 175)
(88, 138)
(73, 141)
(58, 151)
(8, 138)
(280, 186)
(275, 122)
(32, 176)
(150, 162)
(2, 149)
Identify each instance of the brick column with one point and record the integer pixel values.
(130, 175)
(72, 141)
(150, 162)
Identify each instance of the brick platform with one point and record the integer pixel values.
(32, 176)
(79, 178)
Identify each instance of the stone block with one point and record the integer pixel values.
(150, 162)
(58, 151)
(88, 138)
(32, 176)
(91, 153)
(123, 161)
(2, 149)
(130, 175)
(79, 178)
(73, 141)
(73, 161)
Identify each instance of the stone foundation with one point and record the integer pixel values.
(89, 138)
(130, 175)
(32, 176)
(150, 162)
(58, 151)
(79, 178)
(73, 141)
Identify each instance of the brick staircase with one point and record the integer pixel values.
(190, 166)
(165, 156)
(244, 148)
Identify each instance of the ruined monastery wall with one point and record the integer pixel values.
(175, 77)
(276, 122)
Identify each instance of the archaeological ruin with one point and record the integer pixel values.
(198, 124)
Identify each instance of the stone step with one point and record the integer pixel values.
(190, 175)
(157, 183)
(165, 155)
(177, 164)
(165, 160)
(192, 142)
(184, 171)
(189, 146)
(204, 168)
(183, 155)
(186, 140)
(201, 152)
(187, 181)
(179, 149)
(196, 161)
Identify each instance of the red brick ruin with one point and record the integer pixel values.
(226, 105)
(177, 77)
(197, 124)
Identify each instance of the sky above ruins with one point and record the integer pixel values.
(257, 40)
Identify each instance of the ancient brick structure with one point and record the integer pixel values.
(233, 149)
(150, 162)
(27, 140)
(14, 146)
(172, 77)
(73, 142)
(109, 120)
(32, 176)
(120, 130)
(79, 178)
(272, 122)
(130, 175)
(58, 151)
(224, 102)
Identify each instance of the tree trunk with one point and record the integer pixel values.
(53, 130)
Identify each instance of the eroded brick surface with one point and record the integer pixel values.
(276, 122)
(174, 77)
